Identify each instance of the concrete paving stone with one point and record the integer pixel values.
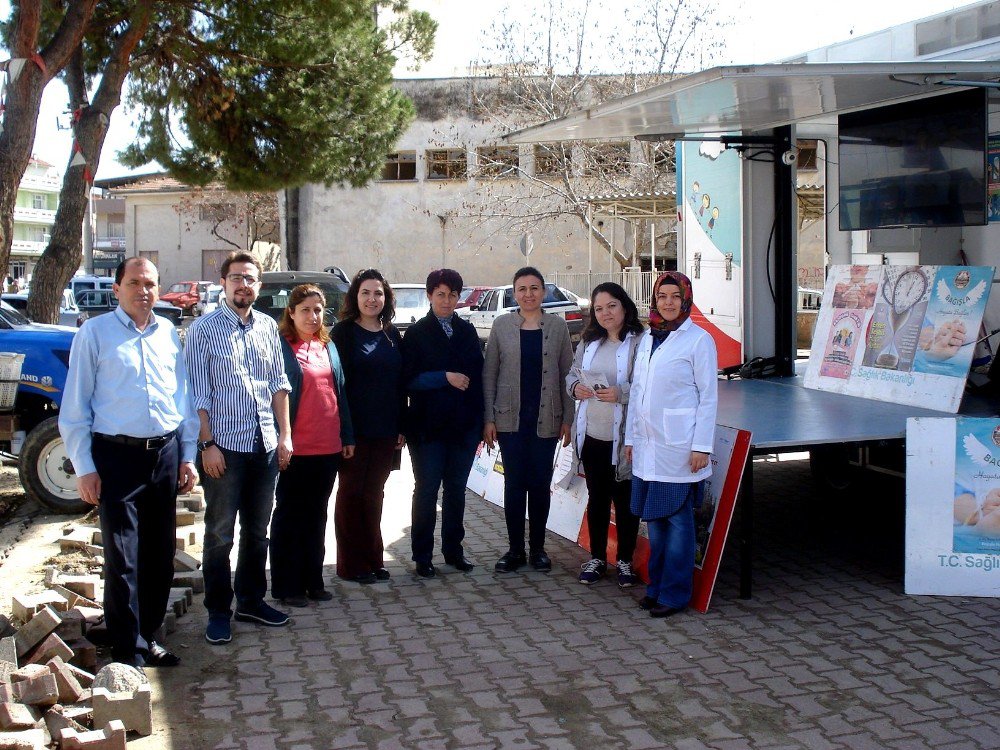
(292, 710)
(253, 704)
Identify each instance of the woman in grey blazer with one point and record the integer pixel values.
(528, 357)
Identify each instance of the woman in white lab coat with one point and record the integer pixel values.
(669, 433)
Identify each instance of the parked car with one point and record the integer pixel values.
(98, 301)
(582, 302)
(500, 300)
(276, 287)
(69, 313)
(186, 295)
(78, 283)
(211, 298)
(411, 304)
(31, 432)
(471, 295)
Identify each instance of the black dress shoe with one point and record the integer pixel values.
(382, 574)
(661, 610)
(510, 562)
(460, 563)
(540, 561)
(295, 601)
(160, 657)
(363, 578)
(426, 570)
(319, 595)
(647, 603)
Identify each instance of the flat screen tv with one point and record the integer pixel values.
(918, 164)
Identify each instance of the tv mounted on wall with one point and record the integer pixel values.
(917, 164)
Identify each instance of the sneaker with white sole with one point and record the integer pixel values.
(626, 578)
(262, 614)
(592, 571)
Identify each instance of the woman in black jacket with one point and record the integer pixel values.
(443, 374)
(370, 350)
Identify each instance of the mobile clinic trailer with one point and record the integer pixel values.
(738, 127)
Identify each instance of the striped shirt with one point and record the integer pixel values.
(235, 370)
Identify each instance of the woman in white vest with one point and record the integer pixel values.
(669, 436)
(599, 380)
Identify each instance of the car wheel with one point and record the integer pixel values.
(46, 471)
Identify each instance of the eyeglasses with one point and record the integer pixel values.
(242, 278)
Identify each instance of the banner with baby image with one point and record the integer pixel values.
(953, 506)
(903, 334)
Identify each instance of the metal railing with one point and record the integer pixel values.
(638, 284)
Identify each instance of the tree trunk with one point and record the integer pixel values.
(64, 252)
(24, 96)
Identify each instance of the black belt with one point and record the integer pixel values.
(149, 444)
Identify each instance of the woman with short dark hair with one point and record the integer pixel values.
(371, 349)
(527, 409)
(443, 374)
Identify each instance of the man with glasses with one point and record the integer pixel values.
(130, 431)
(241, 394)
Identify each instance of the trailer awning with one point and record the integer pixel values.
(748, 99)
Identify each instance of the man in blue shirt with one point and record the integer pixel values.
(241, 395)
(130, 431)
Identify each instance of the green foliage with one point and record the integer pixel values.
(265, 94)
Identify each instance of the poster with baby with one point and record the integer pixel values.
(904, 334)
(953, 506)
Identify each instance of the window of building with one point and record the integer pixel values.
(116, 228)
(806, 156)
(446, 164)
(551, 159)
(37, 234)
(497, 161)
(400, 166)
(607, 159)
(38, 201)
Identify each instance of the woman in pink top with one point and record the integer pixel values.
(321, 435)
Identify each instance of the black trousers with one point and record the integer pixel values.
(604, 489)
(298, 526)
(138, 524)
(527, 476)
(441, 465)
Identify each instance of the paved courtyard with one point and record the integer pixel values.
(828, 654)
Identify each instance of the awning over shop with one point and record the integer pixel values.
(753, 98)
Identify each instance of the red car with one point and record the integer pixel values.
(185, 295)
(471, 295)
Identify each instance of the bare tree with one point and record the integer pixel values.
(567, 57)
(239, 219)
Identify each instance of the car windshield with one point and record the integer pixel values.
(410, 297)
(552, 295)
(181, 288)
(12, 316)
(273, 298)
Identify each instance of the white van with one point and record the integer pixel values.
(79, 283)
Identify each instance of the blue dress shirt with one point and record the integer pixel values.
(123, 381)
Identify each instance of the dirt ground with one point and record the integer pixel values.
(29, 543)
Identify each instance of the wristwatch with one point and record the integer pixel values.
(205, 445)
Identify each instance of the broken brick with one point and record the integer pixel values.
(134, 710)
(35, 631)
(111, 737)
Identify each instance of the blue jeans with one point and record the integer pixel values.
(438, 463)
(246, 489)
(671, 557)
(527, 476)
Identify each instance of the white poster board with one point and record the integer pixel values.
(903, 334)
(953, 507)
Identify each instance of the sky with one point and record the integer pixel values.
(761, 31)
